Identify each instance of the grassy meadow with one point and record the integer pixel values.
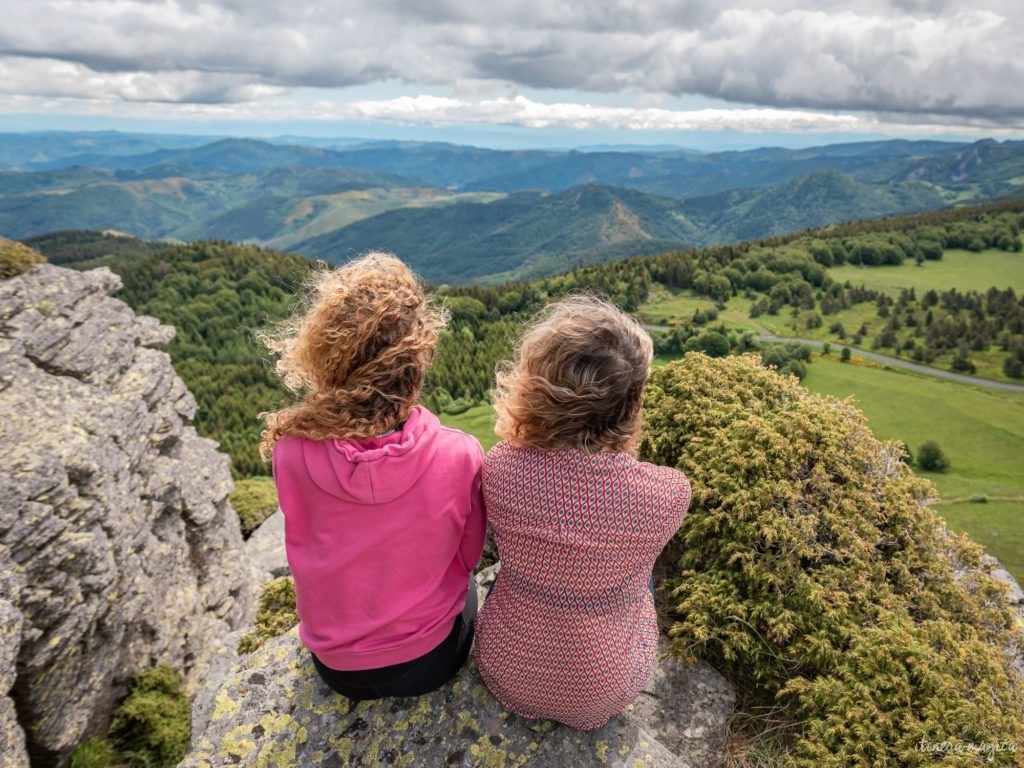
(964, 270)
(980, 430)
(960, 269)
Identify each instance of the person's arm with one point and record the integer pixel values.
(681, 505)
(473, 535)
(288, 492)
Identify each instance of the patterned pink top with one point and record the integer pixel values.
(570, 633)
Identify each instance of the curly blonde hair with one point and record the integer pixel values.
(578, 381)
(356, 348)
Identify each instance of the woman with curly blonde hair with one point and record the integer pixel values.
(570, 633)
(384, 517)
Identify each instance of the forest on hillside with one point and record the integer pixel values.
(216, 293)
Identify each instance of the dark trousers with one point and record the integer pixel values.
(410, 678)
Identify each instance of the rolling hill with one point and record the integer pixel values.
(819, 198)
(530, 234)
(525, 234)
(158, 202)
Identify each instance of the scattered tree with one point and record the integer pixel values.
(931, 458)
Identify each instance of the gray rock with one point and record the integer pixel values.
(272, 709)
(265, 548)
(114, 519)
(1015, 597)
(222, 659)
(12, 738)
(1015, 594)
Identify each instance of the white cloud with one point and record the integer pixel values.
(959, 58)
(54, 78)
(511, 110)
(522, 111)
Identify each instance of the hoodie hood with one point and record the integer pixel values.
(379, 469)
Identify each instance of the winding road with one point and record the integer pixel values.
(895, 362)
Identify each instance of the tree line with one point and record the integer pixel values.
(217, 293)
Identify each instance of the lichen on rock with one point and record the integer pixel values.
(271, 709)
(118, 547)
(12, 738)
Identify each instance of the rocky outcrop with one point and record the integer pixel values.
(270, 708)
(118, 548)
(12, 738)
(265, 548)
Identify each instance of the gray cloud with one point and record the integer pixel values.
(940, 57)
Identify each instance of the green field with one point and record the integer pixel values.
(478, 421)
(963, 270)
(982, 432)
(999, 525)
(665, 307)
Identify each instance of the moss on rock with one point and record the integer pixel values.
(254, 499)
(272, 709)
(276, 614)
(16, 258)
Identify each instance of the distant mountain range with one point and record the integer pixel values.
(464, 213)
(531, 233)
(524, 234)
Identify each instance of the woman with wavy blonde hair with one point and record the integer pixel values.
(570, 633)
(384, 517)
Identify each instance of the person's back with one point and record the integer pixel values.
(569, 632)
(381, 535)
(384, 516)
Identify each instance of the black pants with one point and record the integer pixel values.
(410, 678)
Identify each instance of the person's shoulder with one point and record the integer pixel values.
(505, 451)
(288, 457)
(287, 448)
(668, 479)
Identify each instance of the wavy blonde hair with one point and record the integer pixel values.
(578, 381)
(356, 349)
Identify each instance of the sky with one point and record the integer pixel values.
(701, 73)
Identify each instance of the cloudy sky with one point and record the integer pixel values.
(519, 71)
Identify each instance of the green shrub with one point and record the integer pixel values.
(931, 458)
(457, 406)
(151, 727)
(710, 343)
(811, 573)
(978, 498)
(254, 499)
(276, 614)
(15, 258)
(97, 752)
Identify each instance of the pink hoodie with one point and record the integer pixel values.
(381, 536)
